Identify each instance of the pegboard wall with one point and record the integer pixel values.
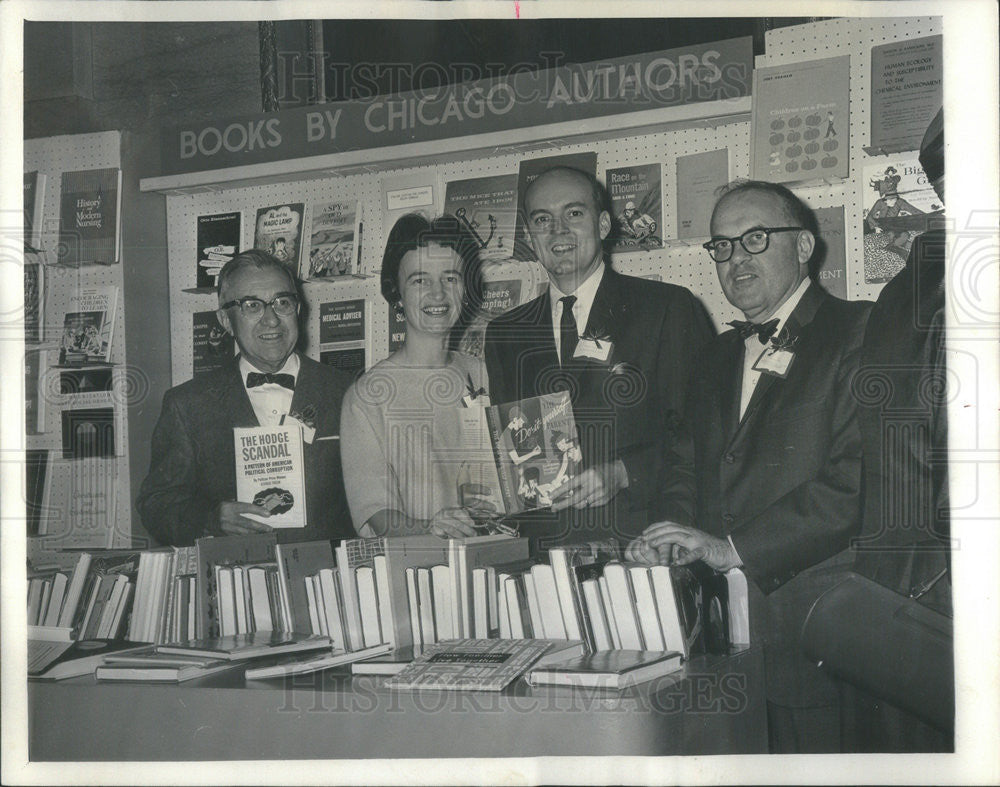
(53, 156)
(686, 265)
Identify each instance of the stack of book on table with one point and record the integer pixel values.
(387, 599)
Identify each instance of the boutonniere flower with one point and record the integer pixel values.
(473, 391)
(618, 368)
(307, 415)
(783, 340)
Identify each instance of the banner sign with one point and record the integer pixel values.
(674, 77)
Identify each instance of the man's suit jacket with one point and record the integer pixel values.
(628, 408)
(784, 482)
(193, 466)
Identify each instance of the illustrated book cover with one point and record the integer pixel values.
(219, 238)
(278, 231)
(333, 250)
(270, 473)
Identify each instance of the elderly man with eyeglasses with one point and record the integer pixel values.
(191, 487)
(774, 447)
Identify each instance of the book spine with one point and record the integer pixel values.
(505, 470)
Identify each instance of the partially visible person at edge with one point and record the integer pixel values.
(775, 449)
(905, 538)
(398, 422)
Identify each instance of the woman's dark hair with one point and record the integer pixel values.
(413, 231)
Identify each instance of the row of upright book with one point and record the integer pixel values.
(376, 595)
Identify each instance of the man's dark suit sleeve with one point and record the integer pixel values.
(686, 328)
(817, 518)
(172, 511)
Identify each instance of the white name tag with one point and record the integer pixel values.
(483, 400)
(596, 350)
(775, 361)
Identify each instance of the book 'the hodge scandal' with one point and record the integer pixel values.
(270, 473)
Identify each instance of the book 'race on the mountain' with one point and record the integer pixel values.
(270, 473)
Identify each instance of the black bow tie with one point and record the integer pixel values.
(256, 378)
(746, 329)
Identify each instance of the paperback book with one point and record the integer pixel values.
(342, 331)
(334, 249)
(536, 449)
(270, 473)
(608, 669)
(800, 124)
(487, 208)
(219, 238)
(636, 207)
(247, 646)
(212, 346)
(470, 664)
(88, 325)
(830, 257)
(906, 91)
(699, 176)
(278, 231)
(90, 207)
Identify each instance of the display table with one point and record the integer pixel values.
(714, 705)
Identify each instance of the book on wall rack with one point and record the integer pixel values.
(89, 217)
(270, 473)
(800, 122)
(34, 297)
(88, 326)
(219, 238)
(88, 432)
(899, 205)
(212, 346)
(34, 202)
(36, 364)
(699, 176)
(412, 192)
(536, 449)
(79, 503)
(343, 326)
(906, 91)
(831, 262)
(636, 207)
(487, 208)
(278, 231)
(334, 247)
(527, 172)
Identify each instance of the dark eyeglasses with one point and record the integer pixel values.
(252, 308)
(754, 241)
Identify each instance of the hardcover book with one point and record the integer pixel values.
(334, 247)
(90, 205)
(636, 207)
(342, 331)
(88, 325)
(470, 664)
(906, 91)
(304, 665)
(536, 449)
(527, 172)
(487, 208)
(79, 507)
(608, 669)
(278, 231)
(212, 347)
(800, 124)
(61, 660)
(219, 238)
(148, 666)
(247, 646)
(270, 473)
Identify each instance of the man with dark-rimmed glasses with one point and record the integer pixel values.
(191, 487)
(774, 447)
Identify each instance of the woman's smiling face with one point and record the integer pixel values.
(431, 288)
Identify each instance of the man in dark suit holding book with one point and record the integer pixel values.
(622, 346)
(191, 487)
(775, 447)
